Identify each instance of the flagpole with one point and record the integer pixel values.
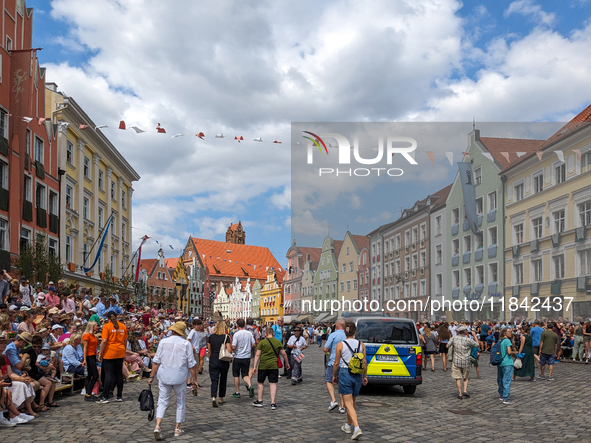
(97, 239)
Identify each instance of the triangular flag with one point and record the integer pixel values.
(431, 156)
(467, 154)
(160, 129)
(275, 141)
(137, 130)
(521, 154)
(42, 120)
(560, 155)
(156, 241)
(489, 156)
(83, 127)
(100, 127)
(578, 152)
(178, 135)
(203, 255)
(238, 137)
(450, 157)
(220, 135)
(27, 119)
(171, 247)
(122, 125)
(506, 155)
(258, 139)
(201, 135)
(539, 154)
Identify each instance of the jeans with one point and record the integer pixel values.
(319, 340)
(113, 369)
(92, 376)
(579, 347)
(218, 373)
(504, 377)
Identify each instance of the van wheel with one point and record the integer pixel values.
(409, 390)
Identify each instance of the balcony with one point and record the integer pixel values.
(466, 257)
(492, 251)
(515, 249)
(479, 219)
(491, 216)
(534, 289)
(478, 254)
(479, 288)
(556, 240)
(467, 289)
(455, 292)
(556, 287)
(534, 245)
(465, 225)
(581, 284)
(580, 234)
(454, 228)
(492, 287)
(455, 260)
(515, 291)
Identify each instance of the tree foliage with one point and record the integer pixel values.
(38, 264)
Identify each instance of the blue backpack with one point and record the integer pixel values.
(496, 357)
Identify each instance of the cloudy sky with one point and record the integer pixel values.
(251, 68)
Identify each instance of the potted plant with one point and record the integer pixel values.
(89, 274)
(115, 280)
(102, 275)
(71, 267)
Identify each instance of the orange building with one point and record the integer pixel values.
(158, 279)
(29, 176)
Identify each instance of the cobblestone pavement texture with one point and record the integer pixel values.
(544, 411)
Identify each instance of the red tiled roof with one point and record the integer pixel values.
(242, 259)
(361, 240)
(171, 262)
(314, 254)
(338, 244)
(442, 197)
(510, 145)
(583, 116)
(148, 264)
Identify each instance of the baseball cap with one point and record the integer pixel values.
(41, 297)
(51, 283)
(23, 278)
(54, 327)
(51, 288)
(13, 308)
(25, 308)
(45, 346)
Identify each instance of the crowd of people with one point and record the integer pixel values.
(58, 334)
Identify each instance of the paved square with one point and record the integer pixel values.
(543, 411)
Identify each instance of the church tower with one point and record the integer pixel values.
(235, 234)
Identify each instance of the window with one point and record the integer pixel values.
(52, 247)
(585, 160)
(3, 235)
(467, 243)
(585, 262)
(69, 196)
(492, 201)
(479, 206)
(479, 240)
(53, 203)
(455, 215)
(423, 258)
(86, 208)
(28, 190)
(477, 176)
(415, 261)
(8, 44)
(423, 287)
(398, 241)
(40, 194)
(68, 249)
(423, 231)
(101, 180)
(438, 255)
(344, 268)
(537, 270)
(407, 238)
(415, 234)
(480, 275)
(538, 182)
(100, 217)
(124, 199)
(123, 230)
(558, 266)
(397, 292)
(3, 175)
(439, 284)
(414, 288)
(348, 286)
(347, 250)
(3, 123)
(361, 278)
(342, 286)
(559, 173)
(407, 263)
(456, 279)
(113, 190)
(355, 284)
(518, 230)
(467, 277)
(492, 235)
(398, 266)
(25, 239)
(518, 192)
(87, 167)
(364, 258)
(585, 213)
(559, 223)
(70, 152)
(438, 225)
(518, 273)
(456, 246)
(537, 227)
(492, 272)
(39, 150)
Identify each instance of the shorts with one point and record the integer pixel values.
(546, 359)
(460, 373)
(202, 352)
(240, 365)
(474, 361)
(328, 375)
(443, 348)
(349, 383)
(273, 375)
(536, 349)
(483, 337)
(586, 338)
(430, 352)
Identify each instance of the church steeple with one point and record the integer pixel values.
(235, 234)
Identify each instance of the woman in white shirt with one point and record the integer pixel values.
(173, 362)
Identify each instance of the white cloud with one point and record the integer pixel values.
(355, 201)
(528, 8)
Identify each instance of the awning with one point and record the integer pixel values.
(288, 318)
(309, 318)
(329, 319)
(320, 318)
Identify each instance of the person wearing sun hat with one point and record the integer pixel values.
(173, 363)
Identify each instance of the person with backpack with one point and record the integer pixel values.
(460, 367)
(266, 366)
(350, 373)
(502, 357)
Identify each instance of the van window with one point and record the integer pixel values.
(386, 331)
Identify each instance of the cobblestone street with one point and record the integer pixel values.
(542, 412)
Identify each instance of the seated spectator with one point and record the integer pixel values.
(43, 382)
(73, 355)
(7, 401)
(95, 317)
(27, 324)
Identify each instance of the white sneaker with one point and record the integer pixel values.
(26, 416)
(356, 434)
(342, 410)
(333, 405)
(5, 423)
(346, 428)
(18, 420)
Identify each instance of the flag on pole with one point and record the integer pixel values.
(100, 248)
(139, 258)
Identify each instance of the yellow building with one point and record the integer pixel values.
(95, 182)
(348, 271)
(548, 211)
(271, 299)
(181, 279)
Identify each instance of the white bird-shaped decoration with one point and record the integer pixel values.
(178, 135)
(220, 135)
(137, 130)
(258, 139)
(27, 119)
(101, 126)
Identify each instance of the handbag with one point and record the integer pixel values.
(517, 363)
(224, 354)
(450, 352)
(279, 362)
(146, 400)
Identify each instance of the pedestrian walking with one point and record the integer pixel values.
(430, 340)
(242, 343)
(443, 337)
(349, 383)
(587, 340)
(579, 343)
(527, 360)
(549, 344)
(505, 368)
(266, 367)
(297, 343)
(331, 347)
(173, 364)
(111, 356)
(90, 344)
(460, 367)
(218, 369)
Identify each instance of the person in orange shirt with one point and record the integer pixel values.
(90, 343)
(112, 355)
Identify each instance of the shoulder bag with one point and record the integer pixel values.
(279, 362)
(224, 354)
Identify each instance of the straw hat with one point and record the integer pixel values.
(25, 336)
(54, 311)
(179, 327)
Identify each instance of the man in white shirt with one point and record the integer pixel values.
(242, 342)
(453, 329)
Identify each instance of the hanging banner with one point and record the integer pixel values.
(466, 178)
(100, 248)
